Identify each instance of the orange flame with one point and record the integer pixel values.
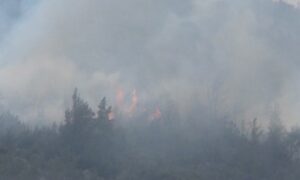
(111, 116)
(156, 114)
(120, 97)
(134, 102)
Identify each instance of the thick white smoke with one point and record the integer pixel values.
(239, 57)
(294, 3)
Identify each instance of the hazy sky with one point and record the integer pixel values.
(294, 3)
(241, 56)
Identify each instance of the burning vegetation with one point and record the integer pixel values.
(99, 145)
(185, 81)
(132, 108)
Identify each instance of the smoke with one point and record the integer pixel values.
(239, 58)
(294, 3)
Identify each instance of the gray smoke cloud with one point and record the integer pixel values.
(294, 3)
(239, 57)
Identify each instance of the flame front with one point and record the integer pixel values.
(111, 116)
(120, 97)
(156, 114)
(134, 102)
(130, 109)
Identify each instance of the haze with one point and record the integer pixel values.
(241, 54)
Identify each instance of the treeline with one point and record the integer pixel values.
(91, 146)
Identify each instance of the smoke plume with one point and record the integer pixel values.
(235, 58)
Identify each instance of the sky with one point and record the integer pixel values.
(237, 57)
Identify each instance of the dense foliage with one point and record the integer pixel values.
(90, 146)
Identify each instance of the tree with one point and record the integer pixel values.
(76, 128)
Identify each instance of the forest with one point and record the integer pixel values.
(168, 90)
(93, 146)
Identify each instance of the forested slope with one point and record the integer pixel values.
(90, 145)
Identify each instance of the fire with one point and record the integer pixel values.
(120, 97)
(134, 102)
(111, 116)
(156, 114)
(125, 106)
(129, 106)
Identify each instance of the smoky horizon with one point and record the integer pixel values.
(149, 90)
(239, 56)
